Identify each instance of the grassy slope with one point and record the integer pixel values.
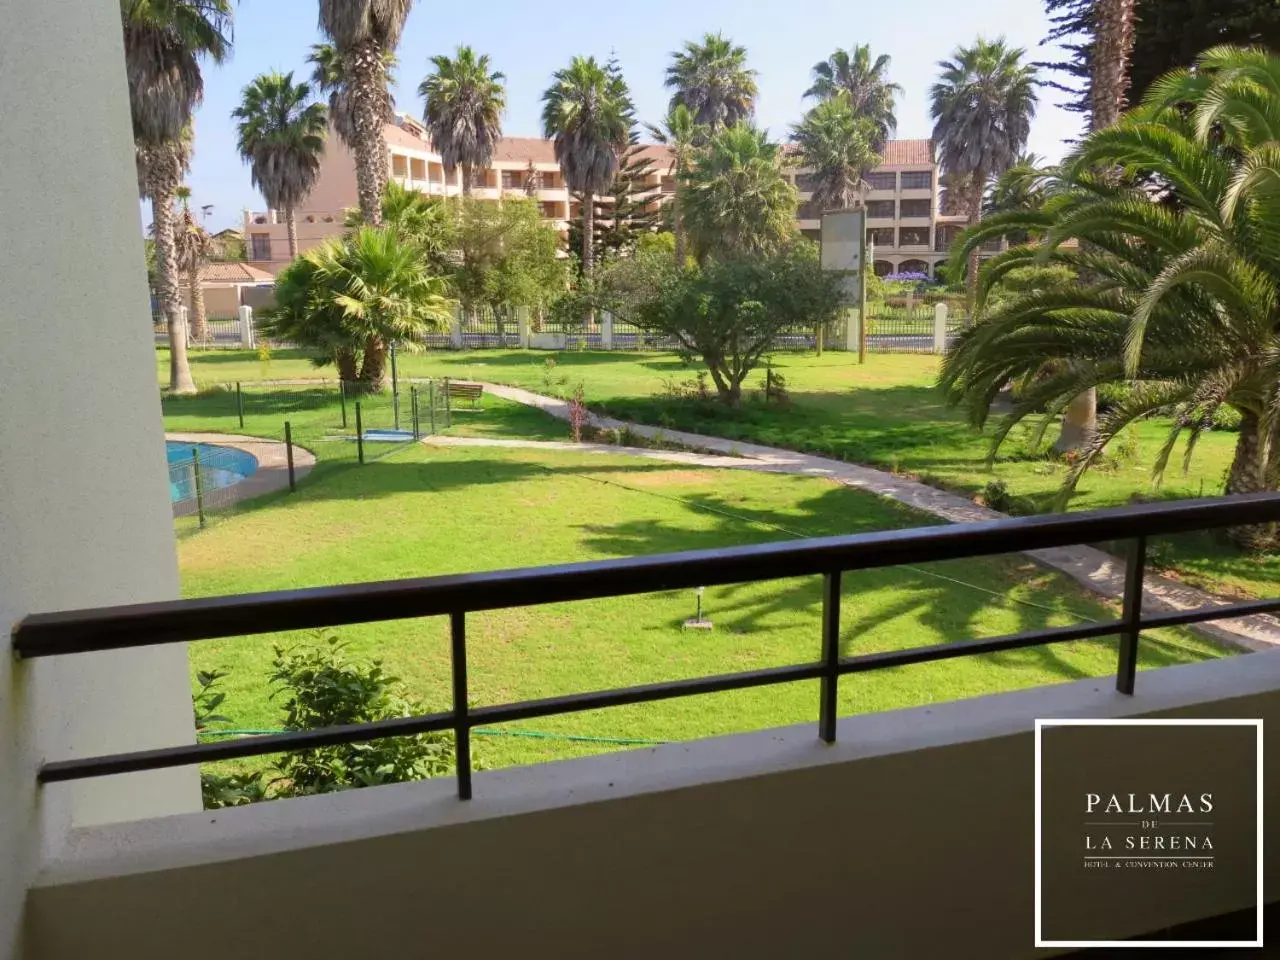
(885, 413)
(427, 511)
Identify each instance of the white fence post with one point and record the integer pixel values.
(246, 327)
(455, 331)
(522, 327)
(606, 330)
(852, 328)
(939, 328)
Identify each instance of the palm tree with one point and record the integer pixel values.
(1177, 299)
(329, 79)
(368, 288)
(679, 133)
(838, 147)
(419, 219)
(735, 196)
(363, 32)
(193, 243)
(982, 107)
(713, 81)
(281, 136)
(870, 95)
(164, 42)
(587, 112)
(463, 114)
(1113, 42)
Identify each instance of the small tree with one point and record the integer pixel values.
(729, 312)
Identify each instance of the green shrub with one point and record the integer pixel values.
(996, 496)
(322, 688)
(1226, 418)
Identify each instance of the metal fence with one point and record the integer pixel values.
(458, 595)
(909, 328)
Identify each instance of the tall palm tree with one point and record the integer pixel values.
(281, 136)
(838, 147)
(1108, 89)
(363, 32)
(735, 196)
(193, 243)
(587, 112)
(1177, 300)
(679, 133)
(463, 113)
(982, 106)
(164, 42)
(329, 78)
(871, 95)
(712, 80)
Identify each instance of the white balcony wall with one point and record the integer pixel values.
(909, 837)
(84, 505)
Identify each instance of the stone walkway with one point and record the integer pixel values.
(1093, 569)
(273, 465)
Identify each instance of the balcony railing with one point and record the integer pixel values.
(179, 621)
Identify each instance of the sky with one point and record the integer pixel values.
(528, 41)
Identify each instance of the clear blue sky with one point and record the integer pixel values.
(527, 41)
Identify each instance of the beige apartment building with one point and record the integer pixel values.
(905, 228)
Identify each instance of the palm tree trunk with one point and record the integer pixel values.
(975, 259)
(374, 368)
(345, 358)
(368, 84)
(162, 183)
(1113, 42)
(588, 229)
(199, 328)
(466, 179)
(291, 218)
(1249, 473)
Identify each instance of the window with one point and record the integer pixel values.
(881, 236)
(511, 179)
(804, 182)
(809, 210)
(914, 236)
(916, 208)
(880, 209)
(259, 246)
(884, 181)
(921, 180)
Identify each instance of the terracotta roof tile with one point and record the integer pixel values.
(233, 273)
(899, 153)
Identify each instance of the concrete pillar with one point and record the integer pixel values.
(247, 338)
(852, 328)
(84, 517)
(939, 328)
(606, 330)
(522, 327)
(455, 331)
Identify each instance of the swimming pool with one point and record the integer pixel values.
(219, 467)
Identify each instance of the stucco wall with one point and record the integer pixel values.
(84, 512)
(911, 837)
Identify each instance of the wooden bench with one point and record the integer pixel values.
(471, 392)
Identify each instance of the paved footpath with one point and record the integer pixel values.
(1094, 569)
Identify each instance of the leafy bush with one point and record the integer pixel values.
(1226, 418)
(578, 415)
(324, 689)
(996, 496)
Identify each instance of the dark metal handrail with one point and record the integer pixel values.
(177, 621)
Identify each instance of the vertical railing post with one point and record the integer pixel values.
(431, 404)
(1135, 567)
(395, 388)
(240, 404)
(830, 656)
(413, 408)
(359, 435)
(342, 399)
(448, 414)
(195, 466)
(288, 452)
(462, 726)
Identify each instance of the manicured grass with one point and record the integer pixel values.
(428, 511)
(885, 413)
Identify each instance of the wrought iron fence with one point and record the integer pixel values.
(908, 328)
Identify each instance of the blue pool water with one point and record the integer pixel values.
(219, 467)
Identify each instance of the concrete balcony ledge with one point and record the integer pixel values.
(760, 844)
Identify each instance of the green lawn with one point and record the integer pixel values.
(429, 511)
(885, 413)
